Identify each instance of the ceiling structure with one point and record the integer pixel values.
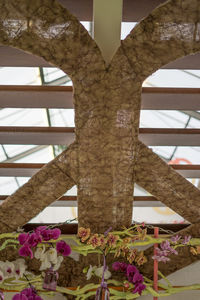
(56, 95)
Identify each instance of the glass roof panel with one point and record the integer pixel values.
(13, 150)
(23, 117)
(19, 76)
(140, 214)
(174, 78)
(163, 119)
(62, 117)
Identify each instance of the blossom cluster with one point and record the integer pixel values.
(27, 294)
(166, 249)
(121, 246)
(97, 240)
(44, 235)
(133, 275)
(97, 271)
(12, 269)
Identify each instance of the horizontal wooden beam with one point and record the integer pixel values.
(153, 98)
(161, 98)
(37, 135)
(36, 96)
(72, 228)
(133, 11)
(29, 169)
(65, 136)
(71, 201)
(74, 198)
(170, 136)
(11, 57)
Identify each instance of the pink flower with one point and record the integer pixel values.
(27, 294)
(40, 229)
(34, 239)
(26, 251)
(139, 287)
(186, 240)
(19, 297)
(175, 238)
(63, 248)
(119, 266)
(46, 234)
(55, 233)
(22, 238)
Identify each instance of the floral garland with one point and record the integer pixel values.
(46, 245)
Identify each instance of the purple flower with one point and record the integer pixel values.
(22, 238)
(46, 234)
(165, 245)
(119, 266)
(34, 239)
(26, 251)
(139, 288)
(161, 258)
(175, 238)
(132, 273)
(186, 240)
(137, 277)
(19, 297)
(40, 229)
(63, 248)
(55, 233)
(27, 294)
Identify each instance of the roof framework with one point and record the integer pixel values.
(44, 97)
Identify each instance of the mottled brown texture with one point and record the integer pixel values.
(48, 184)
(106, 156)
(159, 179)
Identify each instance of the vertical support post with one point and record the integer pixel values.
(155, 266)
(107, 18)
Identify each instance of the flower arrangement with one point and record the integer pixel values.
(47, 245)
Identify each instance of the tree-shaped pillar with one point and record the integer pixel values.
(106, 157)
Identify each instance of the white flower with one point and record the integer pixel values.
(2, 277)
(59, 261)
(52, 255)
(39, 253)
(45, 265)
(20, 267)
(48, 259)
(7, 268)
(91, 271)
(99, 272)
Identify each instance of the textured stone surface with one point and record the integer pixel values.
(105, 161)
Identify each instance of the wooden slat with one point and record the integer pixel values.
(65, 136)
(10, 57)
(74, 198)
(37, 135)
(72, 228)
(30, 96)
(71, 201)
(153, 98)
(170, 137)
(133, 11)
(29, 169)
